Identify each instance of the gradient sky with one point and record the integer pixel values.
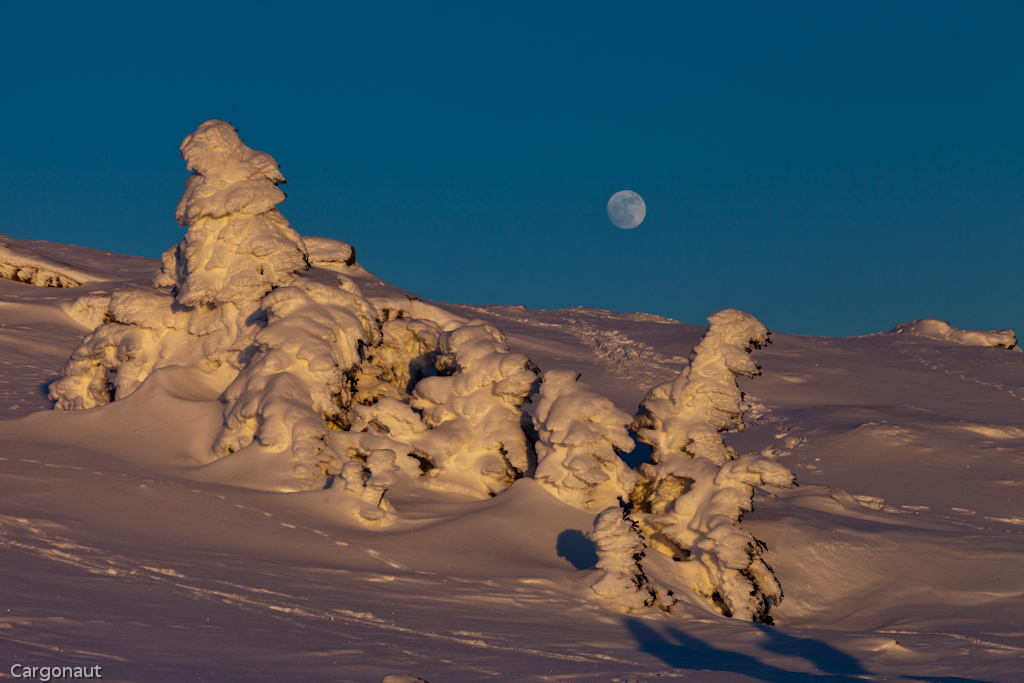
(833, 168)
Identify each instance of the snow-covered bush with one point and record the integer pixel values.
(372, 508)
(690, 498)
(468, 431)
(405, 355)
(473, 408)
(297, 383)
(580, 435)
(620, 550)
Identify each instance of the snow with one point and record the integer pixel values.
(21, 263)
(940, 329)
(272, 465)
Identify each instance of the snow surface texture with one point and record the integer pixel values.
(692, 495)
(940, 329)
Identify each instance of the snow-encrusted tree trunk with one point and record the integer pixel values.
(237, 249)
(580, 435)
(689, 500)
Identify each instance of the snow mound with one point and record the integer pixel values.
(328, 253)
(940, 329)
(23, 264)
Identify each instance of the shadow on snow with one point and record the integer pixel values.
(682, 651)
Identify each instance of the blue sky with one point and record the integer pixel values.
(832, 168)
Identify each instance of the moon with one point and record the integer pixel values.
(626, 209)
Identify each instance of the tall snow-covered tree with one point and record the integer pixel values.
(690, 499)
(580, 435)
(205, 310)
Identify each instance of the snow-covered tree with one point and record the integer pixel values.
(468, 432)
(473, 408)
(620, 550)
(580, 435)
(405, 355)
(231, 297)
(297, 384)
(690, 499)
(205, 310)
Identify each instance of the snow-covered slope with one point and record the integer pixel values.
(125, 546)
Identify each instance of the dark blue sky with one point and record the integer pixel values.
(832, 168)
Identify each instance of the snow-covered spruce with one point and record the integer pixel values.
(406, 354)
(468, 431)
(298, 382)
(620, 550)
(237, 249)
(580, 435)
(293, 359)
(689, 500)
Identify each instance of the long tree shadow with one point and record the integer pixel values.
(682, 651)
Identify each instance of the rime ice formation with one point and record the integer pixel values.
(690, 498)
(580, 436)
(620, 549)
(940, 329)
(23, 264)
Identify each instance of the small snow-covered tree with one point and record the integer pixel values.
(474, 410)
(468, 431)
(690, 499)
(620, 550)
(372, 509)
(580, 435)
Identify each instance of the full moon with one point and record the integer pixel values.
(626, 209)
